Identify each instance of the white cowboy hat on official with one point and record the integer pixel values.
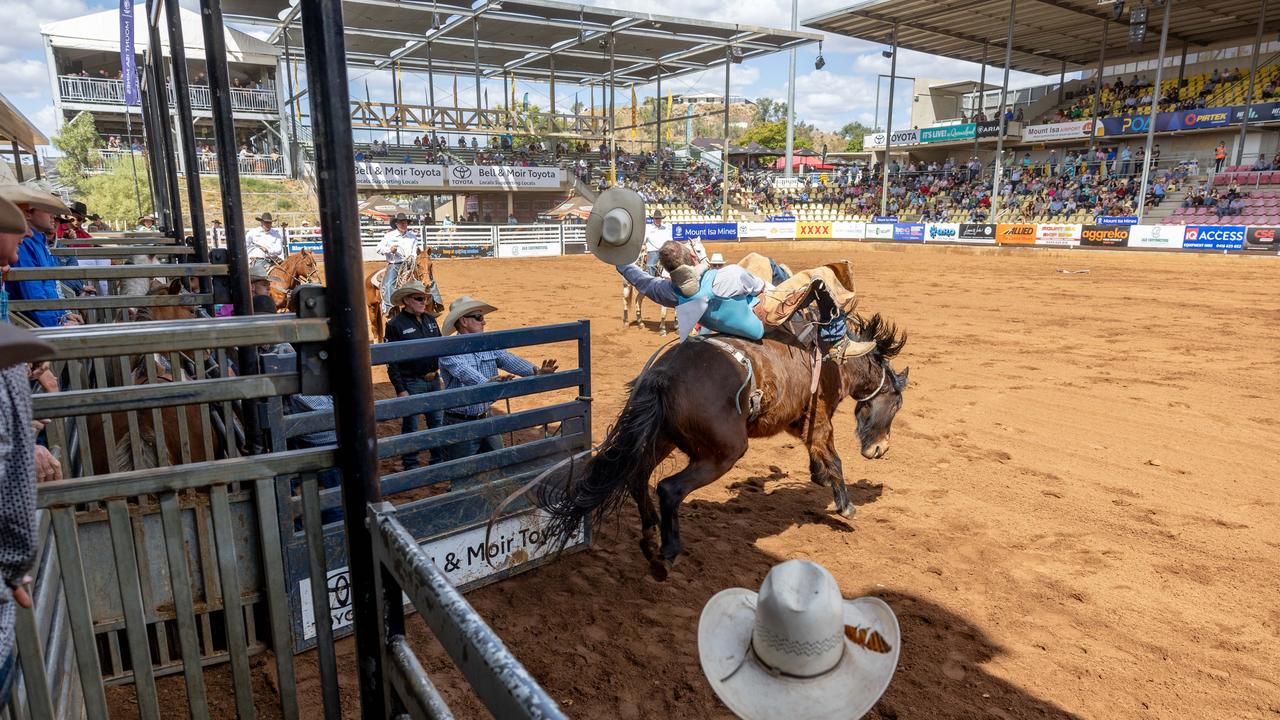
(615, 228)
(717, 260)
(464, 305)
(798, 650)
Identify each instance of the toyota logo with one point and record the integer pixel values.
(461, 172)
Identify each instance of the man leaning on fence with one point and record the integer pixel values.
(467, 316)
(414, 376)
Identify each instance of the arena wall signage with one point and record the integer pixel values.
(1104, 235)
(530, 248)
(884, 218)
(704, 231)
(908, 232)
(813, 230)
(461, 250)
(315, 246)
(1156, 237)
(978, 233)
(948, 133)
(1198, 119)
(1258, 112)
(1213, 237)
(900, 138)
(1261, 239)
(1061, 235)
(988, 129)
(391, 175)
(1058, 131)
(1116, 220)
(1015, 234)
(942, 232)
(879, 231)
(851, 230)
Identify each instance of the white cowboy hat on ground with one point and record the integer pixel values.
(716, 260)
(798, 650)
(464, 305)
(615, 228)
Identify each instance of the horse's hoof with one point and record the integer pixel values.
(649, 548)
(659, 569)
(848, 510)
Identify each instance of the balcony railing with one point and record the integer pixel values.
(253, 165)
(103, 91)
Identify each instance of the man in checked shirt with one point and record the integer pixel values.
(466, 315)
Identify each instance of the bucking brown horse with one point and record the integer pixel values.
(695, 398)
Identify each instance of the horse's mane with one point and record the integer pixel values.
(889, 341)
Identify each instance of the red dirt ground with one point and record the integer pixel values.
(1077, 517)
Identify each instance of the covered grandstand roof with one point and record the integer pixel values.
(1046, 32)
(15, 127)
(521, 36)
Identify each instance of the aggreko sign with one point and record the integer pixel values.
(1015, 234)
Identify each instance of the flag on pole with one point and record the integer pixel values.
(634, 130)
(455, 92)
(128, 61)
(670, 98)
(526, 102)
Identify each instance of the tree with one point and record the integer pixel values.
(79, 142)
(112, 195)
(769, 110)
(853, 134)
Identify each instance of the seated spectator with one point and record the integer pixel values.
(1157, 193)
(1261, 163)
(467, 316)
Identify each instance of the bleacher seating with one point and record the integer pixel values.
(1224, 93)
(1261, 207)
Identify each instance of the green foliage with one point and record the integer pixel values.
(773, 135)
(769, 110)
(112, 195)
(79, 142)
(853, 133)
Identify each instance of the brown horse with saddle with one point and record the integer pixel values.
(711, 393)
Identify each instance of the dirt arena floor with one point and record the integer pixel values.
(1077, 517)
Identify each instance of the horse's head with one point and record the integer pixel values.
(878, 403)
(167, 312)
(306, 267)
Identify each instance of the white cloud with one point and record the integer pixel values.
(25, 79)
(46, 119)
(23, 20)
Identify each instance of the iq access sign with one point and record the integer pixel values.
(1214, 237)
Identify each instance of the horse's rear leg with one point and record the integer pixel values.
(673, 490)
(649, 539)
(825, 467)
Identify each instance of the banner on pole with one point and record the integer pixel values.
(128, 60)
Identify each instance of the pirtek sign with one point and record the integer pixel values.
(1015, 234)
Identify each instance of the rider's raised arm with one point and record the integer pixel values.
(656, 289)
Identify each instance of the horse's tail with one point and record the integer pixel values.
(622, 463)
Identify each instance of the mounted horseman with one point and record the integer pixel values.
(768, 360)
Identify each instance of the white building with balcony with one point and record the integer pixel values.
(83, 56)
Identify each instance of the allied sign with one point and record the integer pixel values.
(463, 557)
(704, 231)
(942, 232)
(948, 133)
(910, 232)
(978, 233)
(1015, 234)
(1049, 234)
(1156, 237)
(1104, 235)
(391, 175)
(1213, 237)
(1058, 131)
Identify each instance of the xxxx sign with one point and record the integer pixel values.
(813, 230)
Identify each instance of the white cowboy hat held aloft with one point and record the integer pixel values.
(798, 650)
(615, 228)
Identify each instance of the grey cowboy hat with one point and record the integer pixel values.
(615, 228)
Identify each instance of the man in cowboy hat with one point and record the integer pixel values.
(259, 279)
(798, 649)
(467, 316)
(264, 242)
(414, 376)
(655, 236)
(39, 209)
(398, 246)
(146, 223)
(73, 229)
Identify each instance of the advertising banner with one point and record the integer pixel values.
(1116, 220)
(911, 232)
(1213, 237)
(531, 248)
(850, 230)
(1167, 121)
(1049, 234)
(810, 230)
(461, 250)
(942, 232)
(878, 231)
(1015, 234)
(704, 231)
(128, 58)
(1258, 112)
(315, 246)
(978, 233)
(1261, 239)
(1104, 235)
(1057, 131)
(391, 175)
(884, 218)
(780, 218)
(988, 129)
(947, 133)
(900, 138)
(1156, 237)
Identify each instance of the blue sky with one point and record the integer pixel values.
(843, 91)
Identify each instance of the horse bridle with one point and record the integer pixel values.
(884, 377)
